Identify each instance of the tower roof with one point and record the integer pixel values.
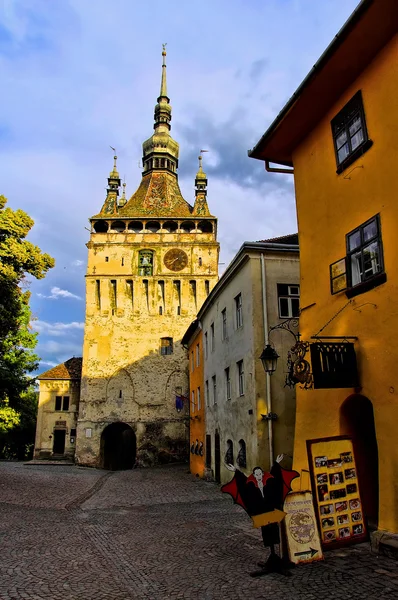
(70, 369)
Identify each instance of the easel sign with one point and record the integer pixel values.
(336, 491)
(303, 541)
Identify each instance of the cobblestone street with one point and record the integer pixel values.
(74, 534)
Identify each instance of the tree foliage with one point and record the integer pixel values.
(18, 258)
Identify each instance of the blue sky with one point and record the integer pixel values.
(79, 76)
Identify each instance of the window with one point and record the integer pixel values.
(241, 378)
(363, 267)
(349, 133)
(192, 362)
(61, 403)
(227, 384)
(229, 455)
(288, 300)
(207, 287)
(198, 397)
(214, 382)
(207, 393)
(166, 346)
(206, 345)
(241, 458)
(192, 401)
(224, 324)
(208, 451)
(212, 337)
(73, 433)
(197, 355)
(238, 310)
(145, 262)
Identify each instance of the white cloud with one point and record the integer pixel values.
(56, 293)
(56, 329)
(48, 363)
(77, 263)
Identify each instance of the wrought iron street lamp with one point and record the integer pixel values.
(269, 358)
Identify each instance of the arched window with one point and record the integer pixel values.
(188, 226)
(145, 262)
(101, 227)
(135, 226)
(170, 226)
(205, 227)
(241, 458)
(152, 226)
(118, 226)
(229, 455)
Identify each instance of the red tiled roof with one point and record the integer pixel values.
(70, 369)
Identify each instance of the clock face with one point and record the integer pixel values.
(175, 259)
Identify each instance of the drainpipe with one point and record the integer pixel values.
(267, 375)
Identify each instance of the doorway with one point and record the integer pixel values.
(217, 457)
(118, 447)
(59, 441)
(357, 421)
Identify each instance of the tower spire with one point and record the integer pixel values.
(163, 108)
(163, 83)
(201, 207)
(112, 191)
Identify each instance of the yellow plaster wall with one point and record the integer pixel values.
(121, 352)
(197, 416)
(329, 206)
(47, 416)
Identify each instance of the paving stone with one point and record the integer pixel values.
(69, 533)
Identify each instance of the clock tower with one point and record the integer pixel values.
(152, 261)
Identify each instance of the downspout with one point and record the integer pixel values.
(267, 376)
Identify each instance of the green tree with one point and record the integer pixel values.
(18, 257)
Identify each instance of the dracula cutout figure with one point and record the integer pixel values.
(262, 495)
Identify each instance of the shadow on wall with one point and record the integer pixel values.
(137, 415)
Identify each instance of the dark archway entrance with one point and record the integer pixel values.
(118, 447)
(357, 421)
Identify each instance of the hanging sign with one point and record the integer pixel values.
(336, 491)
(303, 540)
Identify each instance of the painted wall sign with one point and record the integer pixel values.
(303, 540)
(336, 491)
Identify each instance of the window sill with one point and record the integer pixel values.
(354, 155)
(365, 286)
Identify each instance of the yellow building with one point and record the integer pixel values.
(339, 133)
(59, 393)
(193, 340)
(152, 261)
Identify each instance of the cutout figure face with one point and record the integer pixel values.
(258, 474)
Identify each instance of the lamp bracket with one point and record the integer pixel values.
(269, 417)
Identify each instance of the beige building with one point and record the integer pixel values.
(259, 289)
(59, 393)
(152, 261)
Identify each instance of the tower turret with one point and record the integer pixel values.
(110, 206)
(200, 207)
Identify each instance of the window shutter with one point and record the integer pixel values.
(338, 276)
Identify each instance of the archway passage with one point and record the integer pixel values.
(118, 447)
(357, 421)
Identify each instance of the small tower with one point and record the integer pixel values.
(201, 208)
(110, 206)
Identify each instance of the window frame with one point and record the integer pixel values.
(241, 377)
(224, 324)
(58, 404)
(289, 297)
(164, 347)
(376, 278)
(212, 337)
(65, 401)
(145, 270)
(207, 392)
(227, 372)
(197, 355)
(192, 402)
(206, 345)
(214, 386)
(345, 117)
(198, 399)
(238, 311)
